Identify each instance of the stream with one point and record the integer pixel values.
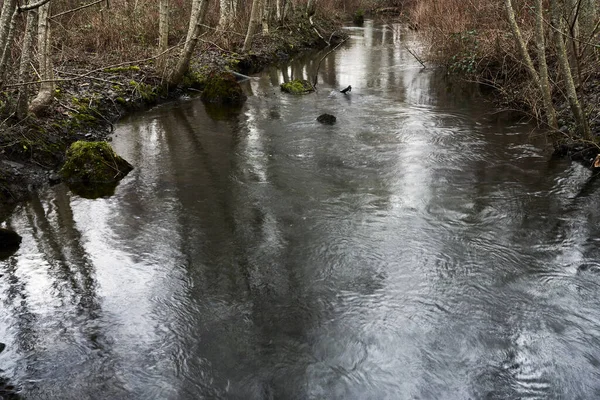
(426, 246)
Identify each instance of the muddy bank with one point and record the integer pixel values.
(33, 150)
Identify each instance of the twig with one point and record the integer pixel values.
(76, 9)
(322, 58)
(92, 77)
(66, 106)
(415, 56)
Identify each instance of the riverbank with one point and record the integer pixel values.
(85, 108)
(482, 44)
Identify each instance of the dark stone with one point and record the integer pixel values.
(2, 347)
(9, 243)
(9, 239)
(54, 178)
(327, 119)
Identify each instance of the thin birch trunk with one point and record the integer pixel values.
(565, 69)
(521, 46)
(23, 94)
(266, 16)
(195, 29)
(46, 92)
(10, 33)
(543, 66)
(253, 24)
(163, 33)
(227, 13)
(573, 50)
(193, 14)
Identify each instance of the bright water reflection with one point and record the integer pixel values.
(421, 248)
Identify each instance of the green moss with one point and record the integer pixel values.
(224, 89)
(297, 86)
(194, 79)
(122, 69)
(148, 93)
(359, 17)
(93, 163)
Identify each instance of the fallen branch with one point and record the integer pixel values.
(322, 58)
(415, 56)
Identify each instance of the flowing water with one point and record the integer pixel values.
(424, 247)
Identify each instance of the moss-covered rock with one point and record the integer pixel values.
(297, 86)
(92, 163)
(358, 17)
(223, 88)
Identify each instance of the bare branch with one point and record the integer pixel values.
(78, 8)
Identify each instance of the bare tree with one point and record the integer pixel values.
(544, 83)
(45, 94)
(541, 79)
(561, 52)
(255, 18)
(23, 94)
(8, 20)
(195, 29)
(227, 13)
(163, 33)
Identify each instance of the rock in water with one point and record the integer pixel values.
(9, 239)
(9, 244)
(327, 119)
(297, 86)
(223, 88)
(93, 169)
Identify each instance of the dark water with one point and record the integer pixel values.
(424, 247)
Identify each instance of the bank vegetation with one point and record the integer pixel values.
(540, 56)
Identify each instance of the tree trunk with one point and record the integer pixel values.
(8, 21)
(573, 50)
(266, 16)
(227, 13)
(163, 33)
(543, 66)
(279, 5)
(193, 14)
(46, 92)
(253, 24)
(23, 94)
(521, 46)
(565, 69)
(194, 31)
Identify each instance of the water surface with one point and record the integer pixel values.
(424, 247)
